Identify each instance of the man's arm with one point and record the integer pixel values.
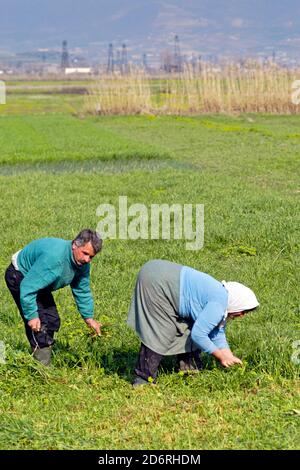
(81, 291)
(39, 277)
(94, 324)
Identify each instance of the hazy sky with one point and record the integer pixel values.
(212, 26)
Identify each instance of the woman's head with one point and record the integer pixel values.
(241, 299)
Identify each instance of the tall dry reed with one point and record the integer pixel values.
(120, 94)
(226, 88)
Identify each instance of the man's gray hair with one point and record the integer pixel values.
(86, 236)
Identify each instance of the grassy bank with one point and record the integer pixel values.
(55, 170)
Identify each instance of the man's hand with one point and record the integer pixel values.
(94, 324)
(226, 357)
(35, 324)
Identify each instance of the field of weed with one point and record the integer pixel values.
(55, 170)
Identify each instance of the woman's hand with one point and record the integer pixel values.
(226, 358)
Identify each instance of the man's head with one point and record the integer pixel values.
(85, 246)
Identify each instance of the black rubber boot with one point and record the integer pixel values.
(147, 366)
(189, 362)
(139, 381)
(43, 355)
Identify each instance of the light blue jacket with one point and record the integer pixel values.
(204, 300)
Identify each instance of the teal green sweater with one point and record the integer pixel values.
(48, 263)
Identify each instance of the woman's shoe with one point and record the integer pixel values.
(189, 362)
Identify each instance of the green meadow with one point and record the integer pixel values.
(56, 167)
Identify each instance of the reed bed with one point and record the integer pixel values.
(226, 88)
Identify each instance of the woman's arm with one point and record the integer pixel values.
(211, 339)
(226, 358)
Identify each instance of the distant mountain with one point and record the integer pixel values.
(206, 27)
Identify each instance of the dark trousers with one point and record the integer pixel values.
(148, 362)
(48, 315)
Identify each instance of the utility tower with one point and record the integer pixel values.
(199, 63)
(43, 57)
(118, 60)
(145, 63)
(110, 60)
(124, 60)
(65, 55)
(177, 55)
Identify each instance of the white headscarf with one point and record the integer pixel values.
(240, 297)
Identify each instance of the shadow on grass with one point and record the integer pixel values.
(109, 362)
(117, 361)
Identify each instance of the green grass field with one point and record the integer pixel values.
(55, 170)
